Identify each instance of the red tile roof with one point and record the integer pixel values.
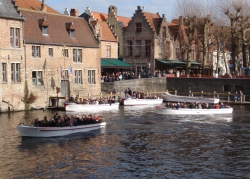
(106, 32)
(103, 17)
(57, 29)
(100, 16)
(33, 5)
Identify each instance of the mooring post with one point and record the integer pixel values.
(228, 97)
(8, 107)
(214, 94)
(175, 92)
(201, 93)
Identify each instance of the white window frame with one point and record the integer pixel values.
(78, 77)
(36, 51)
(108, 50)
(4, 72)
(15, 72)
(15, 37)
(91, 77)
(77, 55)
(37, 77)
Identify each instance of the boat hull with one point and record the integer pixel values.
(28, 131)
(136, 102)
(167, 97)
(91, 107)
(187, 111)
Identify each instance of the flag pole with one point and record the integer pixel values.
(64, 71)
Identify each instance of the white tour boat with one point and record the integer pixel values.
(136, 102)
(186, 99)
(31, 131)
(73, 107)
(176, 98)
(188, 111)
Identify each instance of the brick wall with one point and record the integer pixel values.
(12, 92)
(52, 73)
(113, 50)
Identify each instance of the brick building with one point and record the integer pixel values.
(11, 57)
(109, 31)
(61, 52)
(147, 38)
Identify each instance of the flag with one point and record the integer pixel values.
(70, 69)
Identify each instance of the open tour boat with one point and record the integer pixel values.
(73, 107)
(176, 100)
(136, 102)
(31, 131)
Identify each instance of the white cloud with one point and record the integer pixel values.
(125, 8)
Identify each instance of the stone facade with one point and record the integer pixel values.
(11, 58)
(53, 75)
(146, 38)
(183, 86)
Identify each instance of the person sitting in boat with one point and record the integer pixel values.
(199, 106)
(192, 106)
(52, 122)
(37, 123)
(217, 106)
(56, 117)
(72, 99)
(178, 105)
(185, 105)
(66, 120)
(45, 122)
(222, 106)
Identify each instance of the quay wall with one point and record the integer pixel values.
(182, 85)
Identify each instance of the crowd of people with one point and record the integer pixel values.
(139, 94)
(196, 105)
(90, 100)
(73, 120)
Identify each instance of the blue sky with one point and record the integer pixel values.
(125, 8)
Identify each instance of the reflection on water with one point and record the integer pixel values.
(136, 143)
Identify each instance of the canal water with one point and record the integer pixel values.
(136, 143)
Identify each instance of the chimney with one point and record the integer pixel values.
(74, 12)
(113, 9)
(44, 6)
(66, 12)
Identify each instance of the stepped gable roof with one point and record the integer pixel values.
(8, 10)
(180, 30)
(124, 20)
(154, 20)
(174, 29)
(57, 30)
(103, 17)
(33, 5)
(107, 34)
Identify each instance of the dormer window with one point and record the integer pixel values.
(71, 29)
(45, 30)
(72, 33)
(44, 26)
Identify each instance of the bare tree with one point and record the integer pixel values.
(189, 10)
(244, 26)
(204, 24)
(232, 9)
